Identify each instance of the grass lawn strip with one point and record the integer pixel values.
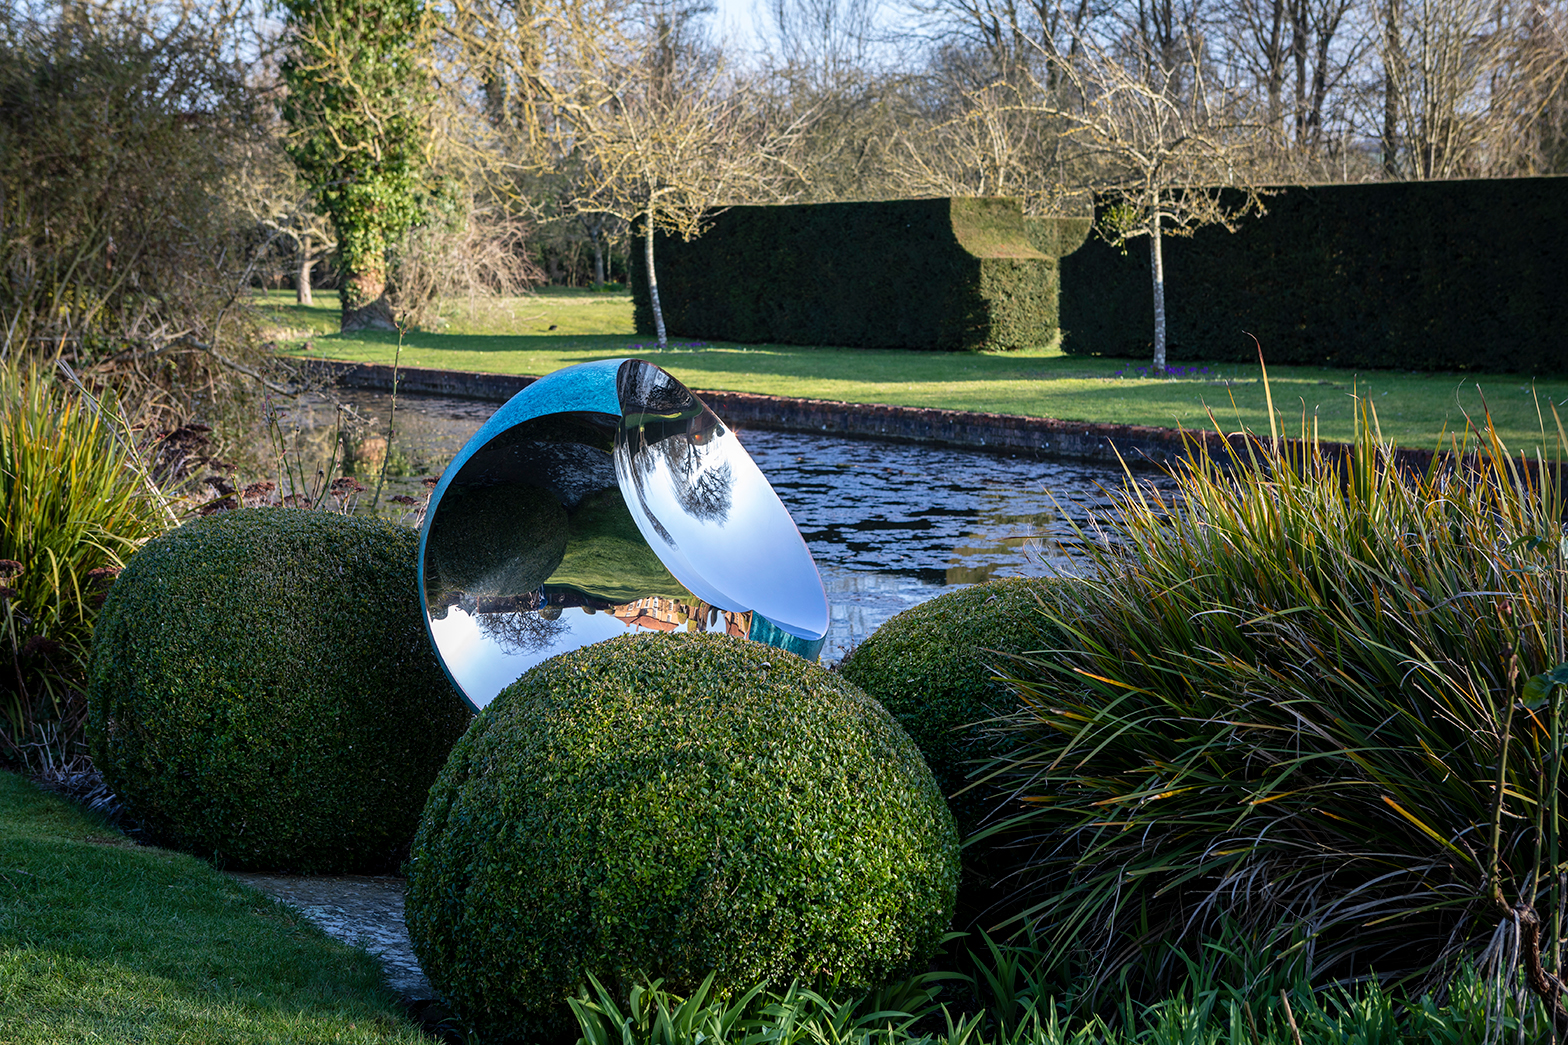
(515, 336)
(103, 940)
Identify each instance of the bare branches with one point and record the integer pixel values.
(1146, 126)
(622, 109)
(1469, 86)
(120, 129)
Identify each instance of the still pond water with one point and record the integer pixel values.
(889, 524)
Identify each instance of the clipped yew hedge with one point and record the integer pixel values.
(949, 274)
(262, 692)
(1448, 275)
(666, 806)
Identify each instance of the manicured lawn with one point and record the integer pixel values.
(515, 336)
(103, 940)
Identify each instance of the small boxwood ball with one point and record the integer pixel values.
(935, 668)
(262, 693)
(664, 806)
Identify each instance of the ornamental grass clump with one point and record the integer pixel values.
(75, 501)
(1316, 696)
(670, 807)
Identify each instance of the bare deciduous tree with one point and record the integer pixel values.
(999, 139)
(271, 192)
(824, 45)
(1154, 133)
(1298, 54)
(630, 98)
(1464, 81)
(123, 246)
(666, 160)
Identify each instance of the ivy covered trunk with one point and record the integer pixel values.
(365, 304)
(357, 108)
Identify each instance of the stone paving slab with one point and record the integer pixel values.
(360, 910)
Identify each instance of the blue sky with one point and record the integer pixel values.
(734, 19)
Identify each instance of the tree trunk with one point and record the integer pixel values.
(302, 277)
(1298, 51)
(1393, 62)
(594, 226)
(653, 280)
(1157, 268)
(365, 304)
(1274, 54)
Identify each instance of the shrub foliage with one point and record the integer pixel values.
(940, 669)
(105, 254)
(262, 692)
(671, 807)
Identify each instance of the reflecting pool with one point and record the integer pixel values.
(889, 524)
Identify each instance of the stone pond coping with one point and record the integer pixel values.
(1041, 437)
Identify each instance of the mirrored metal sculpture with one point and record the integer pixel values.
(601, 499)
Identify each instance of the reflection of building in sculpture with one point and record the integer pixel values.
(666, 614)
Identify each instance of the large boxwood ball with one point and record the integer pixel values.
(666, 806)
(262, 693)
(938, 668)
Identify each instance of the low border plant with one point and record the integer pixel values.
(1214, 1006)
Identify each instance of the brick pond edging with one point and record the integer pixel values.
(1003, 433)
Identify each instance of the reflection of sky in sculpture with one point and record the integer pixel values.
(480, 665)
(693, 488)
(561, 524)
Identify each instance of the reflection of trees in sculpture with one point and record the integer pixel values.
(704, 490)
(523, 632)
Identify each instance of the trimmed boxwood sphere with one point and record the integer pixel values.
(933, 667)
(262, 692)
(666, 806)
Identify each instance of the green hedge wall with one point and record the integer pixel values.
(1455, 275)
(953, 274)
(1057, 237)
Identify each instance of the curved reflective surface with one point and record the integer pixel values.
(601, 499)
